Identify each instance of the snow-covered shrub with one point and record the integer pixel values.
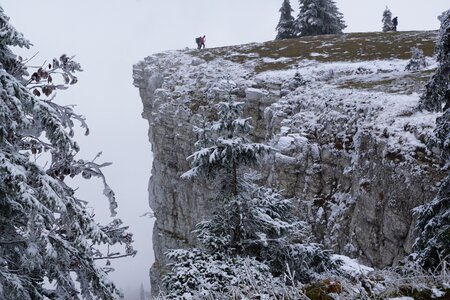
(298, 80)
(198, 274)
(363, 71)
(408, 280)
(417, 61)
(325, 75)
(270, 232)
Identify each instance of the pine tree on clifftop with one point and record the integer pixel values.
(317, 17)
(48, 238)
(285, 27)
(387, 20)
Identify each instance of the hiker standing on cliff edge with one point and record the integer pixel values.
(394, 24)
(200, 41)
(197, 41)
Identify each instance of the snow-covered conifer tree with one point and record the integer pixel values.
(417, 61)
(285, 27)
(387, 20)
(48, 237)
(318, 17)
(433, 244)
(437, 86)
(251, 223)
(433, 225)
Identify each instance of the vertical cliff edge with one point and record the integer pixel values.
(341, 112)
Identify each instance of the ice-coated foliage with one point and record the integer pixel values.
(250, 224)
(432, 247)
(437, 86)
(9, 36)
(224, 146)
(268, 230)
(318, 17)
(286, 25)
(417, 61)
(205, 276)
(387, 20)
(200, 273)
(47, 233)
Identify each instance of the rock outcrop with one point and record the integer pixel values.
(340, 110)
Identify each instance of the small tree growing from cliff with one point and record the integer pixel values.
(318, 17)
(250, 221)
(47, 234)
(387, 20)
(285, 27)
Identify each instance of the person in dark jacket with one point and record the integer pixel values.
(394, 24)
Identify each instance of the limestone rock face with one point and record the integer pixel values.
(350, 145)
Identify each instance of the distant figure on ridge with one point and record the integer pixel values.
(200, 41)
(394, 24)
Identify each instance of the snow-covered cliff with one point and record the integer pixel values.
(339, 109)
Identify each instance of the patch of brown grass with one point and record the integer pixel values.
(330, 48)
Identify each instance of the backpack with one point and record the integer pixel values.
(197, 40)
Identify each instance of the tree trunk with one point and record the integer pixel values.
(236, 235)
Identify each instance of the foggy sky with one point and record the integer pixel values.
(109, 36)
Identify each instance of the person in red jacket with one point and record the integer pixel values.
(202, 42)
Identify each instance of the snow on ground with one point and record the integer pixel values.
(352, 266)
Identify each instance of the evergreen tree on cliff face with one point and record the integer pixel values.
(252, 227)
(387, 20)
(285, 27)
(318, 17)
(433, 226)
(433, 97)
(48, 238)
